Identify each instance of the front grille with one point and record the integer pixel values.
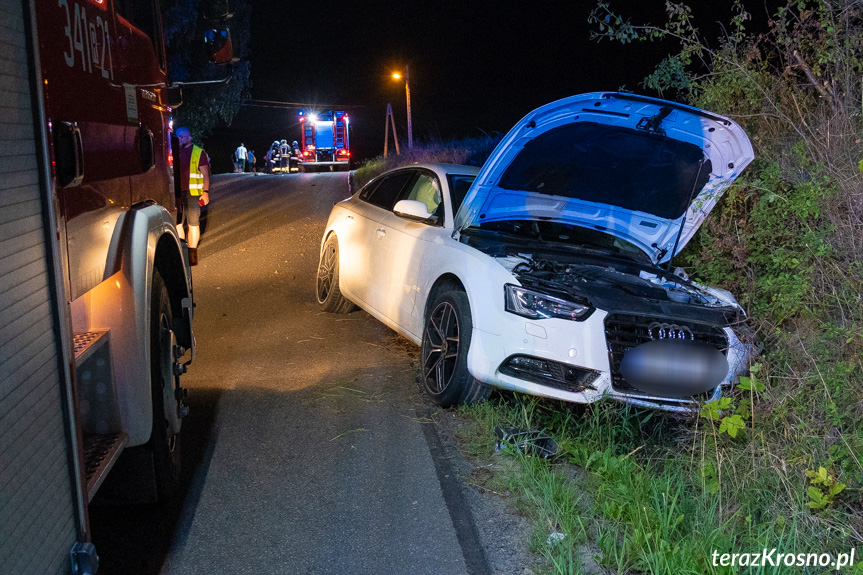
(625, 331)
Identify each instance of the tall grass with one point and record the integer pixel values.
(638, 492)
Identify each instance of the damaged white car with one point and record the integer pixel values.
(547, 271)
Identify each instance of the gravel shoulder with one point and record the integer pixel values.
(501, 531)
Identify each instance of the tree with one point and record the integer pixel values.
(207, 105)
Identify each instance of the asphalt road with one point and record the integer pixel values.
(308, 449)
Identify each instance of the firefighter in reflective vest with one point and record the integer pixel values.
(195, 185)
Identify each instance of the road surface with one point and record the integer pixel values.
(309, 448)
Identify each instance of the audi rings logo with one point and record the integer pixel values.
(658, 330)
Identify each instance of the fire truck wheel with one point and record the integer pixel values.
(164, 443)
(329, 295)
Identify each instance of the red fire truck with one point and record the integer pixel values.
(324, 143)
(96, 298)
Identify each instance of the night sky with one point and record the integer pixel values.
(476, 66)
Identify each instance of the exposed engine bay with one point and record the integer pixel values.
(602, 273)
(621, 287)
(655, 284)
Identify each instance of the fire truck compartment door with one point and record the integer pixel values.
(41, 506)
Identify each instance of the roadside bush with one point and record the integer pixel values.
(470, 152)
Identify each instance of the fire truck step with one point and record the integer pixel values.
(98, 409)
(87, 342)
(100, 454)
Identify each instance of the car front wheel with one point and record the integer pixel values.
(445, 343)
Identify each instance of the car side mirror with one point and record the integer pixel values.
(214, 9)
(175, 96)
(217, 42)
(414, 210)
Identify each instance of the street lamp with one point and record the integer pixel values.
(398, 76)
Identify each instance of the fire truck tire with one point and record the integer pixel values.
(329, 295)
(165, 444)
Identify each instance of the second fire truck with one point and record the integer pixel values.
(324, 142)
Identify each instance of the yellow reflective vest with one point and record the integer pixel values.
(196, 178)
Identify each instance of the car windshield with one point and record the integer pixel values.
(459, 185)
(566, 234)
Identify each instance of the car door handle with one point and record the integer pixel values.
(381, 232)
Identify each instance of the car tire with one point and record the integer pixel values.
(164, 444)
(445, 376)
(327, 290)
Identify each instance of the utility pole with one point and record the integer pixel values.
(398, 76)
(408, 95)
(390, 120)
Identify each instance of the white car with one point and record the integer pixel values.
(547, 270)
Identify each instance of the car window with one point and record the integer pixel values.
(458, 187)
(425, 189)
(367, 190)
(388, 190)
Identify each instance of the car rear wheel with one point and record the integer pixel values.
(329, 295)
(445, 343)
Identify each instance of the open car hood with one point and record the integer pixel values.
(634, 167)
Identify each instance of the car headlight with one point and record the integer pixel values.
(535, 305)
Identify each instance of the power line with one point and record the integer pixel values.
(292, 105)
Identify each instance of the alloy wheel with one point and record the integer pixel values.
(442, 346)
(326, 271)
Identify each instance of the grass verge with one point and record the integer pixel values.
(641, 492)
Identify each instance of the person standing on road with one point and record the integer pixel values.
(252, 161)
(268, 161)
(242, 156)
(195, 186)
(295, 155)
(284, 156)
